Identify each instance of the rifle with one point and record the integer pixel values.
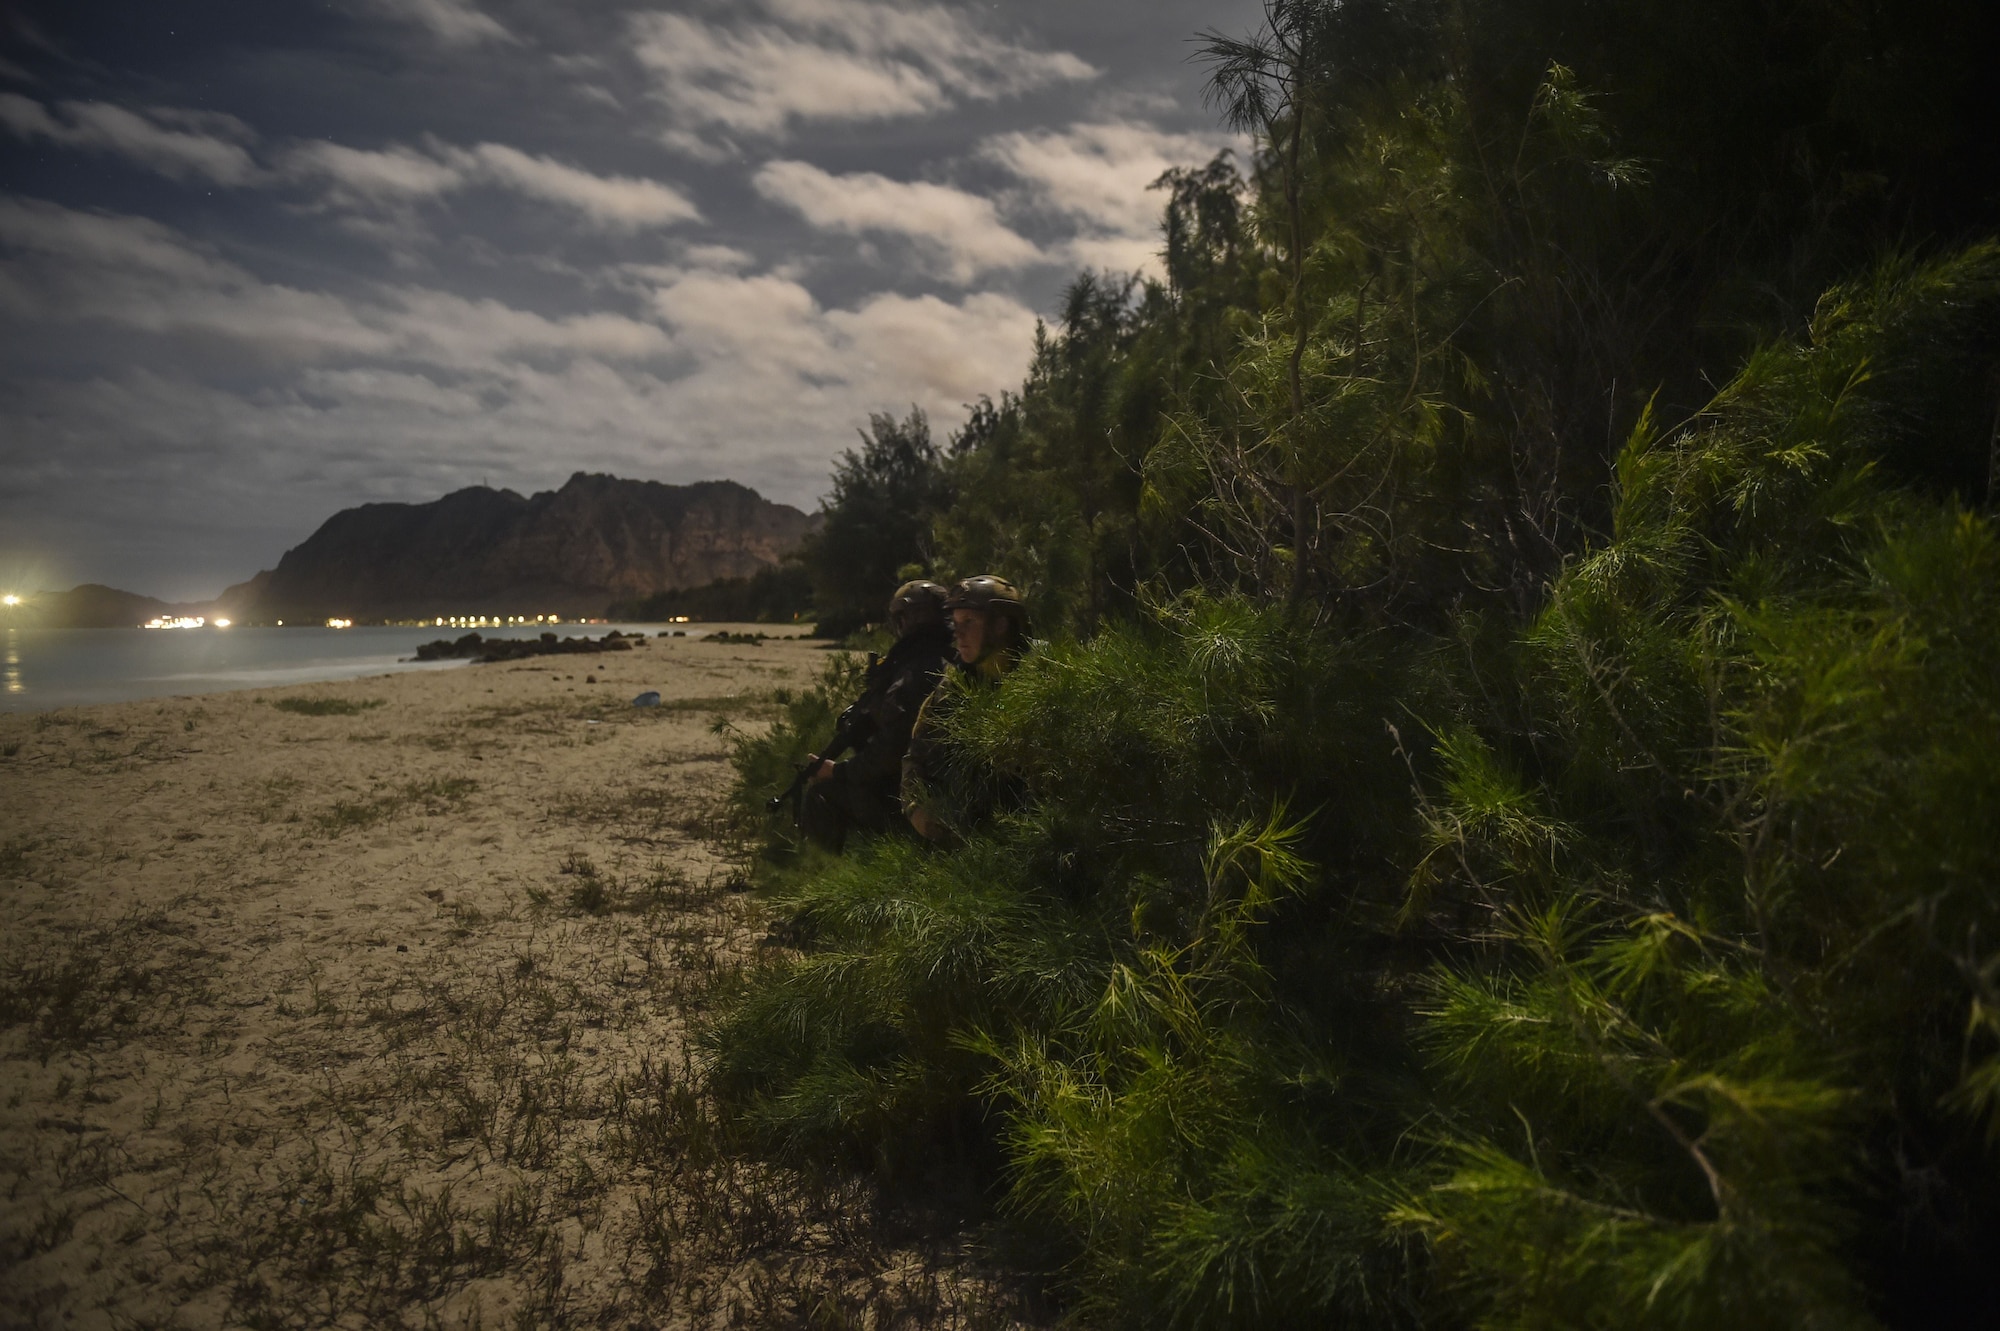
(851, 731)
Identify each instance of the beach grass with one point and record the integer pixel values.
(435, 796)
(327, 706)
(106, 981)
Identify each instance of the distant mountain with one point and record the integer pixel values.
(93, 606)
(571, 551)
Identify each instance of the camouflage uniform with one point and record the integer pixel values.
(939, 779)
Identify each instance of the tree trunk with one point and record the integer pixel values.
(1300, 515)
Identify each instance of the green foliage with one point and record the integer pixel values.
(1045, 483)
(1170, 1126)
(1131, 900)
(857, 1050)
(876, 521)
(1629, 1001)
(1505, 826)
(1743, 973)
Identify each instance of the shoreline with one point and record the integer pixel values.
(43, 670)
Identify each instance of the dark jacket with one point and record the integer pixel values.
(896, 688)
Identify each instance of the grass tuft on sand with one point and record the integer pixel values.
(327, 706)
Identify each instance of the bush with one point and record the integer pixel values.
(1730, 992)
(1630, 969)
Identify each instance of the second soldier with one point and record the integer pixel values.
(946, 791)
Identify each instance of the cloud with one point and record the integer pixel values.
(1098, 175)
(205, 407)
(205, 144)
(99, 241)
(719, 256)
(453, 22)
(763, 346)
(962, 57)
(538, 295)
(962, 231)
(73, 267)
(943, 354)
(182, 143)
(1091, 179)
(440, 329)
(400, 176)
(834, 60)
(130, 273)
(618, 202)
(395, 174)
(1116, 254)
(760, 78)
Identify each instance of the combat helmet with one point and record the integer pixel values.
(916, 603)
(996, 596)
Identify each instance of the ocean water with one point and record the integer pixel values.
(45, 668)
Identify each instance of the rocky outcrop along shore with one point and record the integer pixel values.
(472, 647)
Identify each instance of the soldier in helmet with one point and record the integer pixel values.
(862, 792)
(989, 631)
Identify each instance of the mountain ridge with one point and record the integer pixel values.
(572, 551)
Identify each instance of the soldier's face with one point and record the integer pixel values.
(968, 634)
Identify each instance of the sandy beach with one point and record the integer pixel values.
(363, 1004)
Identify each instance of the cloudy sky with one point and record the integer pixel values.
(260, 261)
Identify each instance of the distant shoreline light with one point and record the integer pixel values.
(185, 622)
(10, 601)
(488, 621)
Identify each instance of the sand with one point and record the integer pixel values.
(379, 1018)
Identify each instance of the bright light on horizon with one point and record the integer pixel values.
(222, 623)
(10, 599)
(340, 623)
